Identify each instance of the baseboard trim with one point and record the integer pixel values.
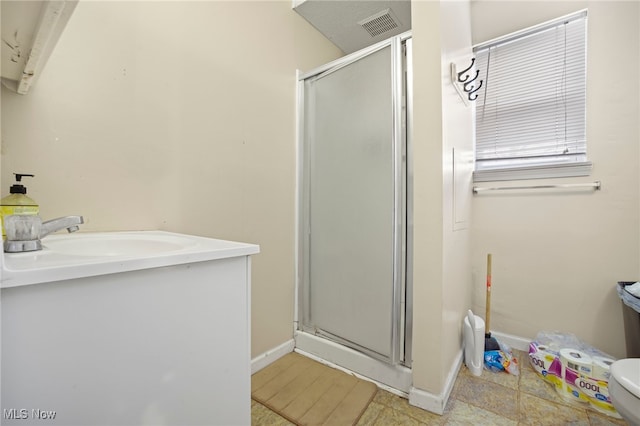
(432, 402)
(266, 358)
(515, 342)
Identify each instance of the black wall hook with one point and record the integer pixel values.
(465, 77)
(465, 71)
(473, 92)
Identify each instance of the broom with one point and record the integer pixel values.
(490, 343)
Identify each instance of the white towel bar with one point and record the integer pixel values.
(595, 185)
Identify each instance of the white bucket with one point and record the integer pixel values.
(473, 332)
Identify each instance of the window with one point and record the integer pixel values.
(530, 114)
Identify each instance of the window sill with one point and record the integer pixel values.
(534, 172)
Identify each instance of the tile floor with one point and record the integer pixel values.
(491, 399)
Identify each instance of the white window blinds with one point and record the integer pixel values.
(531, 111)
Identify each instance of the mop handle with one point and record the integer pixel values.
(488, 307)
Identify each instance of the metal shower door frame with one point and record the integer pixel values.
(402, 220)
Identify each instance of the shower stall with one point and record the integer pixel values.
(354, 231)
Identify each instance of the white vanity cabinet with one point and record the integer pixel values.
(165, 345)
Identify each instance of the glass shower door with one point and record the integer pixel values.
(352, 204)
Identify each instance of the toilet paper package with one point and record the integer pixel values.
(578, 371)
(596, 387)
(577, 367)
(546, 362)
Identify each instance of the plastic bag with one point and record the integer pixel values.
(557, 340)
(627, 298)
(501, 360)
(579, 372)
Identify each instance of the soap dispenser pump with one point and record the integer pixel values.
(17, 202)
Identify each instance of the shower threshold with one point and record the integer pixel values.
(396, 378)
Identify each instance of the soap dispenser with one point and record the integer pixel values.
(17, 202)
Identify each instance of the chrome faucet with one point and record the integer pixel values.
(24, 232)
(53, 225)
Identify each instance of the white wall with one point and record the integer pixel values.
(558, 255)
(427, 198)
(177, 116)
(442, 124)
(457, 165)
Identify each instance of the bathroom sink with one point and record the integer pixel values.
(78, 255)
(117, 244)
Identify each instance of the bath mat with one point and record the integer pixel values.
(307, 392)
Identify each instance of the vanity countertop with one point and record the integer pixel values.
(78, 255)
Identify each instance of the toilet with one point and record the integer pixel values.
(624, 389)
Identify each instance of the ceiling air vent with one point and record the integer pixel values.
(380, 23)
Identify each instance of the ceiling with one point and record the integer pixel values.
(30, 31)
(355, 24)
